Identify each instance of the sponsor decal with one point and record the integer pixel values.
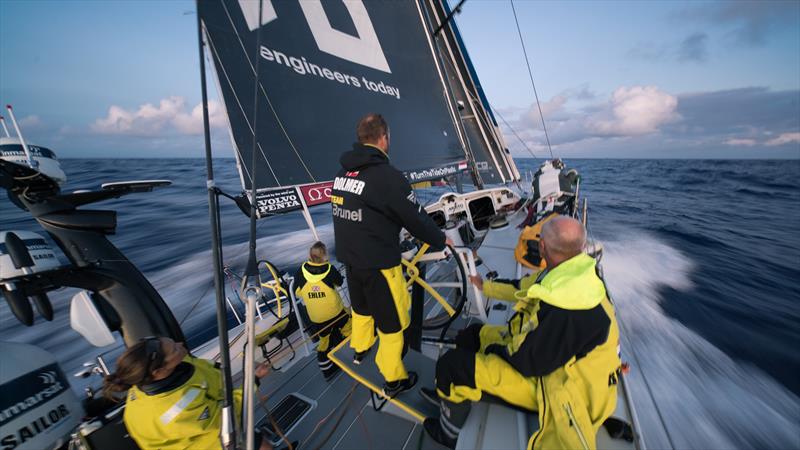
(30, 390)
(363, 48)
(29, 393)
(277, 201)
(436, 172)
(351, 174)
(336, 200)
(205, 414)
(317, 194)
(348, 214)
(18, 150)
(350, 185)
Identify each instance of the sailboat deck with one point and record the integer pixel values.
(343, 417)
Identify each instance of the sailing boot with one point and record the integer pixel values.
(392, 389)
(429, 395)
(446, 428)
(358, 357)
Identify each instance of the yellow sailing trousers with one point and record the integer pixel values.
(462, 375)
(380, 299)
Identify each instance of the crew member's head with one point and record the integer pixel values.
(149, 360)
(561, 239)
(372, 129)
(318, 253)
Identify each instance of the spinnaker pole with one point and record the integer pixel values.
(228, 428)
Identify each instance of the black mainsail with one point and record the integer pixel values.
(323, 65)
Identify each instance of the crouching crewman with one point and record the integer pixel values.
(557, 355)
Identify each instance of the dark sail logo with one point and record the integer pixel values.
(364, 49)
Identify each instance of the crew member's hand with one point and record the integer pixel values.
(262, 370)
(449, 242)
(477, 281)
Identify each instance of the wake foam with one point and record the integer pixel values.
(188, 289)
(703, 397)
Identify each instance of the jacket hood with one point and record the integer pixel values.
(573, 284)
(361, 156)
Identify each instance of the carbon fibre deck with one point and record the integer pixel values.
(410, 402)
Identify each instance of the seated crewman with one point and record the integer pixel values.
(561, 361)
(316, 282)
(174, 401)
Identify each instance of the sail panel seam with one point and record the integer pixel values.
(241, 108)
(272, 108)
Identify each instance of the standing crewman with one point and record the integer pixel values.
(371, 202)
(316, 282)
(558, 355)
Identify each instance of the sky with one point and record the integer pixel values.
(634, 79)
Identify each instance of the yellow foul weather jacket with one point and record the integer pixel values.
(576, 390)
(188, 417)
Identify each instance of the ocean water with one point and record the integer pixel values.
(702, 259)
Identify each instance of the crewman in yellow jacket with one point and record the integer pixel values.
(174, 401)
(316, 282)
(558, 355)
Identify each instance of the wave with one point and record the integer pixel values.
(186, 287)
(681, 233)
(687, 392)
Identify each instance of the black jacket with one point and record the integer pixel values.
(371, 201)
(560, 335)
(333, 279)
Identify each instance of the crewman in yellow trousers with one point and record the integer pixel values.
(558, 355)
(371, 202)
(316, 282)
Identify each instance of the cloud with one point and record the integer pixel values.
(783, 139)
(30, 121)
(694, 48)
(642, 120)
(169, 116)
(748, 23)
(635, 111)
(740, 142)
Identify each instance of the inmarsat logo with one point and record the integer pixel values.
(364, 49)
(48, 377)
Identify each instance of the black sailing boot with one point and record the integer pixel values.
(392, 389)
(452, 417)
(435, 430)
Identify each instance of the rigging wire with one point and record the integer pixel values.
(515, 134)
(530, 74)
(269, 102)
(203, 295)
